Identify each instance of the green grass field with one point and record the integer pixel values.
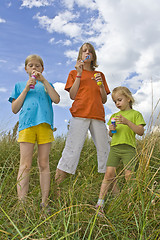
(134, 214)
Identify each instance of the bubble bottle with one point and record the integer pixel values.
(113, 122)
(32, 86)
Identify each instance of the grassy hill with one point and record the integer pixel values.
(134, 214)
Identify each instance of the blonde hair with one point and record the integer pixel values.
(126, 92)
(34, 56)
(92, 50)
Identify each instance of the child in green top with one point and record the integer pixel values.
(128, 123)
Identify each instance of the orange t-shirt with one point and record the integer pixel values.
(88, 100)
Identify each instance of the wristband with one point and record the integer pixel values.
(78, 76)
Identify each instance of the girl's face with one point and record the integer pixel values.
(33, 65)
(121, 101)
(87, 51)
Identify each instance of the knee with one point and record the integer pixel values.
(43, 165)
(109, 176)
(25, 167)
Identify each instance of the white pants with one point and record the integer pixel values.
(75, 140)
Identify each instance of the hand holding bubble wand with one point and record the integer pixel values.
(79, 63)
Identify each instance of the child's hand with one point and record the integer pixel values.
(97, 77)
(31, 81)
(38, 76)
(121, 120)
(79, 66)
(112, 127)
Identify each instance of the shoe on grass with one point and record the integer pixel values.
(100, 210)
(45, 208)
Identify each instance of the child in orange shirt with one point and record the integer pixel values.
(89, 93)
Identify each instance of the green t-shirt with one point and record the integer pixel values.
(124, 134)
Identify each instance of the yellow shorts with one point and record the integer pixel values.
(41, 134)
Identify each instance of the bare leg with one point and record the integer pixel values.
(127, 175)
(107, 181)
(26, 153)
(59, 177)
(115, 189)
(43, 163)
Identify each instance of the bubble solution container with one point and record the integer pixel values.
(113, 122)
(32, 86)
(98, 83)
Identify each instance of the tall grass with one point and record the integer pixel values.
(133, 214)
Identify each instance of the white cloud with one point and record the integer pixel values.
(130, 37)
(20, 68)
(2, 61)
(148, 59)
(146, 101)
(126, 37)
(147, 98)
(71, 55)
(9, 4)
(68, 3)
(81, 3)
(2, 89)
(65, 42)
(36, 3)
(62, 23)
(51, 41)
(65, 100)
(126, 40)
(2, 20)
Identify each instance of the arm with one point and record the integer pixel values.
(138, 129)
(17, 103)
(74, 89)
(50, 90)
(103, 94)
(98, 79)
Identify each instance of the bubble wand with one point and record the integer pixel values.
(88, 57)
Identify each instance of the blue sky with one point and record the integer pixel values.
(125, 35)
